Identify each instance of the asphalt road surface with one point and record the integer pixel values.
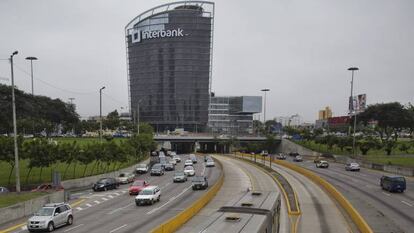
(384, 211)
(115, 210)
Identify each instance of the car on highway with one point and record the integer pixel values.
(104, 184)
(137, 186)
(189, 171)
(179, 177)
(148, 195)
(281, 156)
(199, 182)
(126, 178)
(393, 183)
(50, 217)
(264, 153)
(207, 157)
(3, 190)
(142, 168)
(173, 153)
(177, 158)
(188, 162)
(210, 163)
(352, 167)
(193, 158)
(293, 154)
(322, 164)
(157, 169)
(172, 161)
(169, 166)
(298, 158)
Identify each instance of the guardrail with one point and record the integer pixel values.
(177, 221)
(352, 212)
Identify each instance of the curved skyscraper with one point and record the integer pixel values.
(169, 51)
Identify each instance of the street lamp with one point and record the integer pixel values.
(351, 107)
(264, 113)
(100, 113)
(16, 151)
(31, 66)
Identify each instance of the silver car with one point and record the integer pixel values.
(352, 167)
(51, 216)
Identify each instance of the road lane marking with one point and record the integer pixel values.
(73, 228)
(79, 208)
(88, 205)
(110, 196)
(166, 203)
(407, 203)
(97, 202)
(387, 194)
(118, 228)
(77, 203)
(13, 228)
(117, 194)
(104, 199)
(121, 208)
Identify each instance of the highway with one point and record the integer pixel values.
(115, 210)
(384, 211)
(319, 212)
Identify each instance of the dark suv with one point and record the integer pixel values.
(105, 184)
(158, 169)
(199, 182)
(393, 183)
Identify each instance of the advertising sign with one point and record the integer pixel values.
(357, 103)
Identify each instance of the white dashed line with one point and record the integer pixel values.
(73, 228)
(387, 194)
(79, 208)
(118, 228)
(117, 194)
(97, 202)
(110, 196)
(407, 203)
(121, 208)
(88, 205)
(104, 199)
(24, 228)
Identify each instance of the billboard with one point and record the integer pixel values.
(357, 103)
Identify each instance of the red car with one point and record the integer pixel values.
(137, 186)
(46, 188)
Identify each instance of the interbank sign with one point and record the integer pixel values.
(138, 35)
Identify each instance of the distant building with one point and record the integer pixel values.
(233, 115)
(325, 113)
(339, 123)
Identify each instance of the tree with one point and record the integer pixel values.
(405, 147)
(390, 118)
(112, 120)
(40, 153)
(367, 144)
(7, 152)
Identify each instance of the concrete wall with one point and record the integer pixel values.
(287, 146)
(27, 208)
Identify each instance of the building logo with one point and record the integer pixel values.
(138, 35)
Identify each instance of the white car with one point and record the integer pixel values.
(51, 216)
(352, 167)
(177, 158)
(210, 163)
(148, 195)
(126, 177)
(189, 171)
(141, 168)
(188, 162)
(173, 153)
(173, 161)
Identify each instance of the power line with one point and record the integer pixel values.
(113, 99)
(51, 85)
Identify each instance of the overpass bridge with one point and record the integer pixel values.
(203, 143)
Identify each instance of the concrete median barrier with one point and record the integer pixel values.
(177, 221)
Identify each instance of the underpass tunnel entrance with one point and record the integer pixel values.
(213, 147)
(183, 147)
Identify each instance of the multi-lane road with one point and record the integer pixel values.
(384, 211)
(115, 211)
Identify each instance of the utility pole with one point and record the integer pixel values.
(16, 150)
(352, 110)
(100, 114)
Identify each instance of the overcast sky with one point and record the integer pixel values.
(299, 49)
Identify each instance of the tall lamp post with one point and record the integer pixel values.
(31, 59)
(100, 113)
(16, 151)
(264, 109)
(351, 107)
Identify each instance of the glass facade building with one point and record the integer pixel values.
(169, 59)
(233, 115)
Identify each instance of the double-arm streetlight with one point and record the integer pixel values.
(31, 59)
(100, 113)
(352, 111)
(16, 151)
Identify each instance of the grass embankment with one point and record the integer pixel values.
(398, 157)
(13, 198)
(73, 170)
